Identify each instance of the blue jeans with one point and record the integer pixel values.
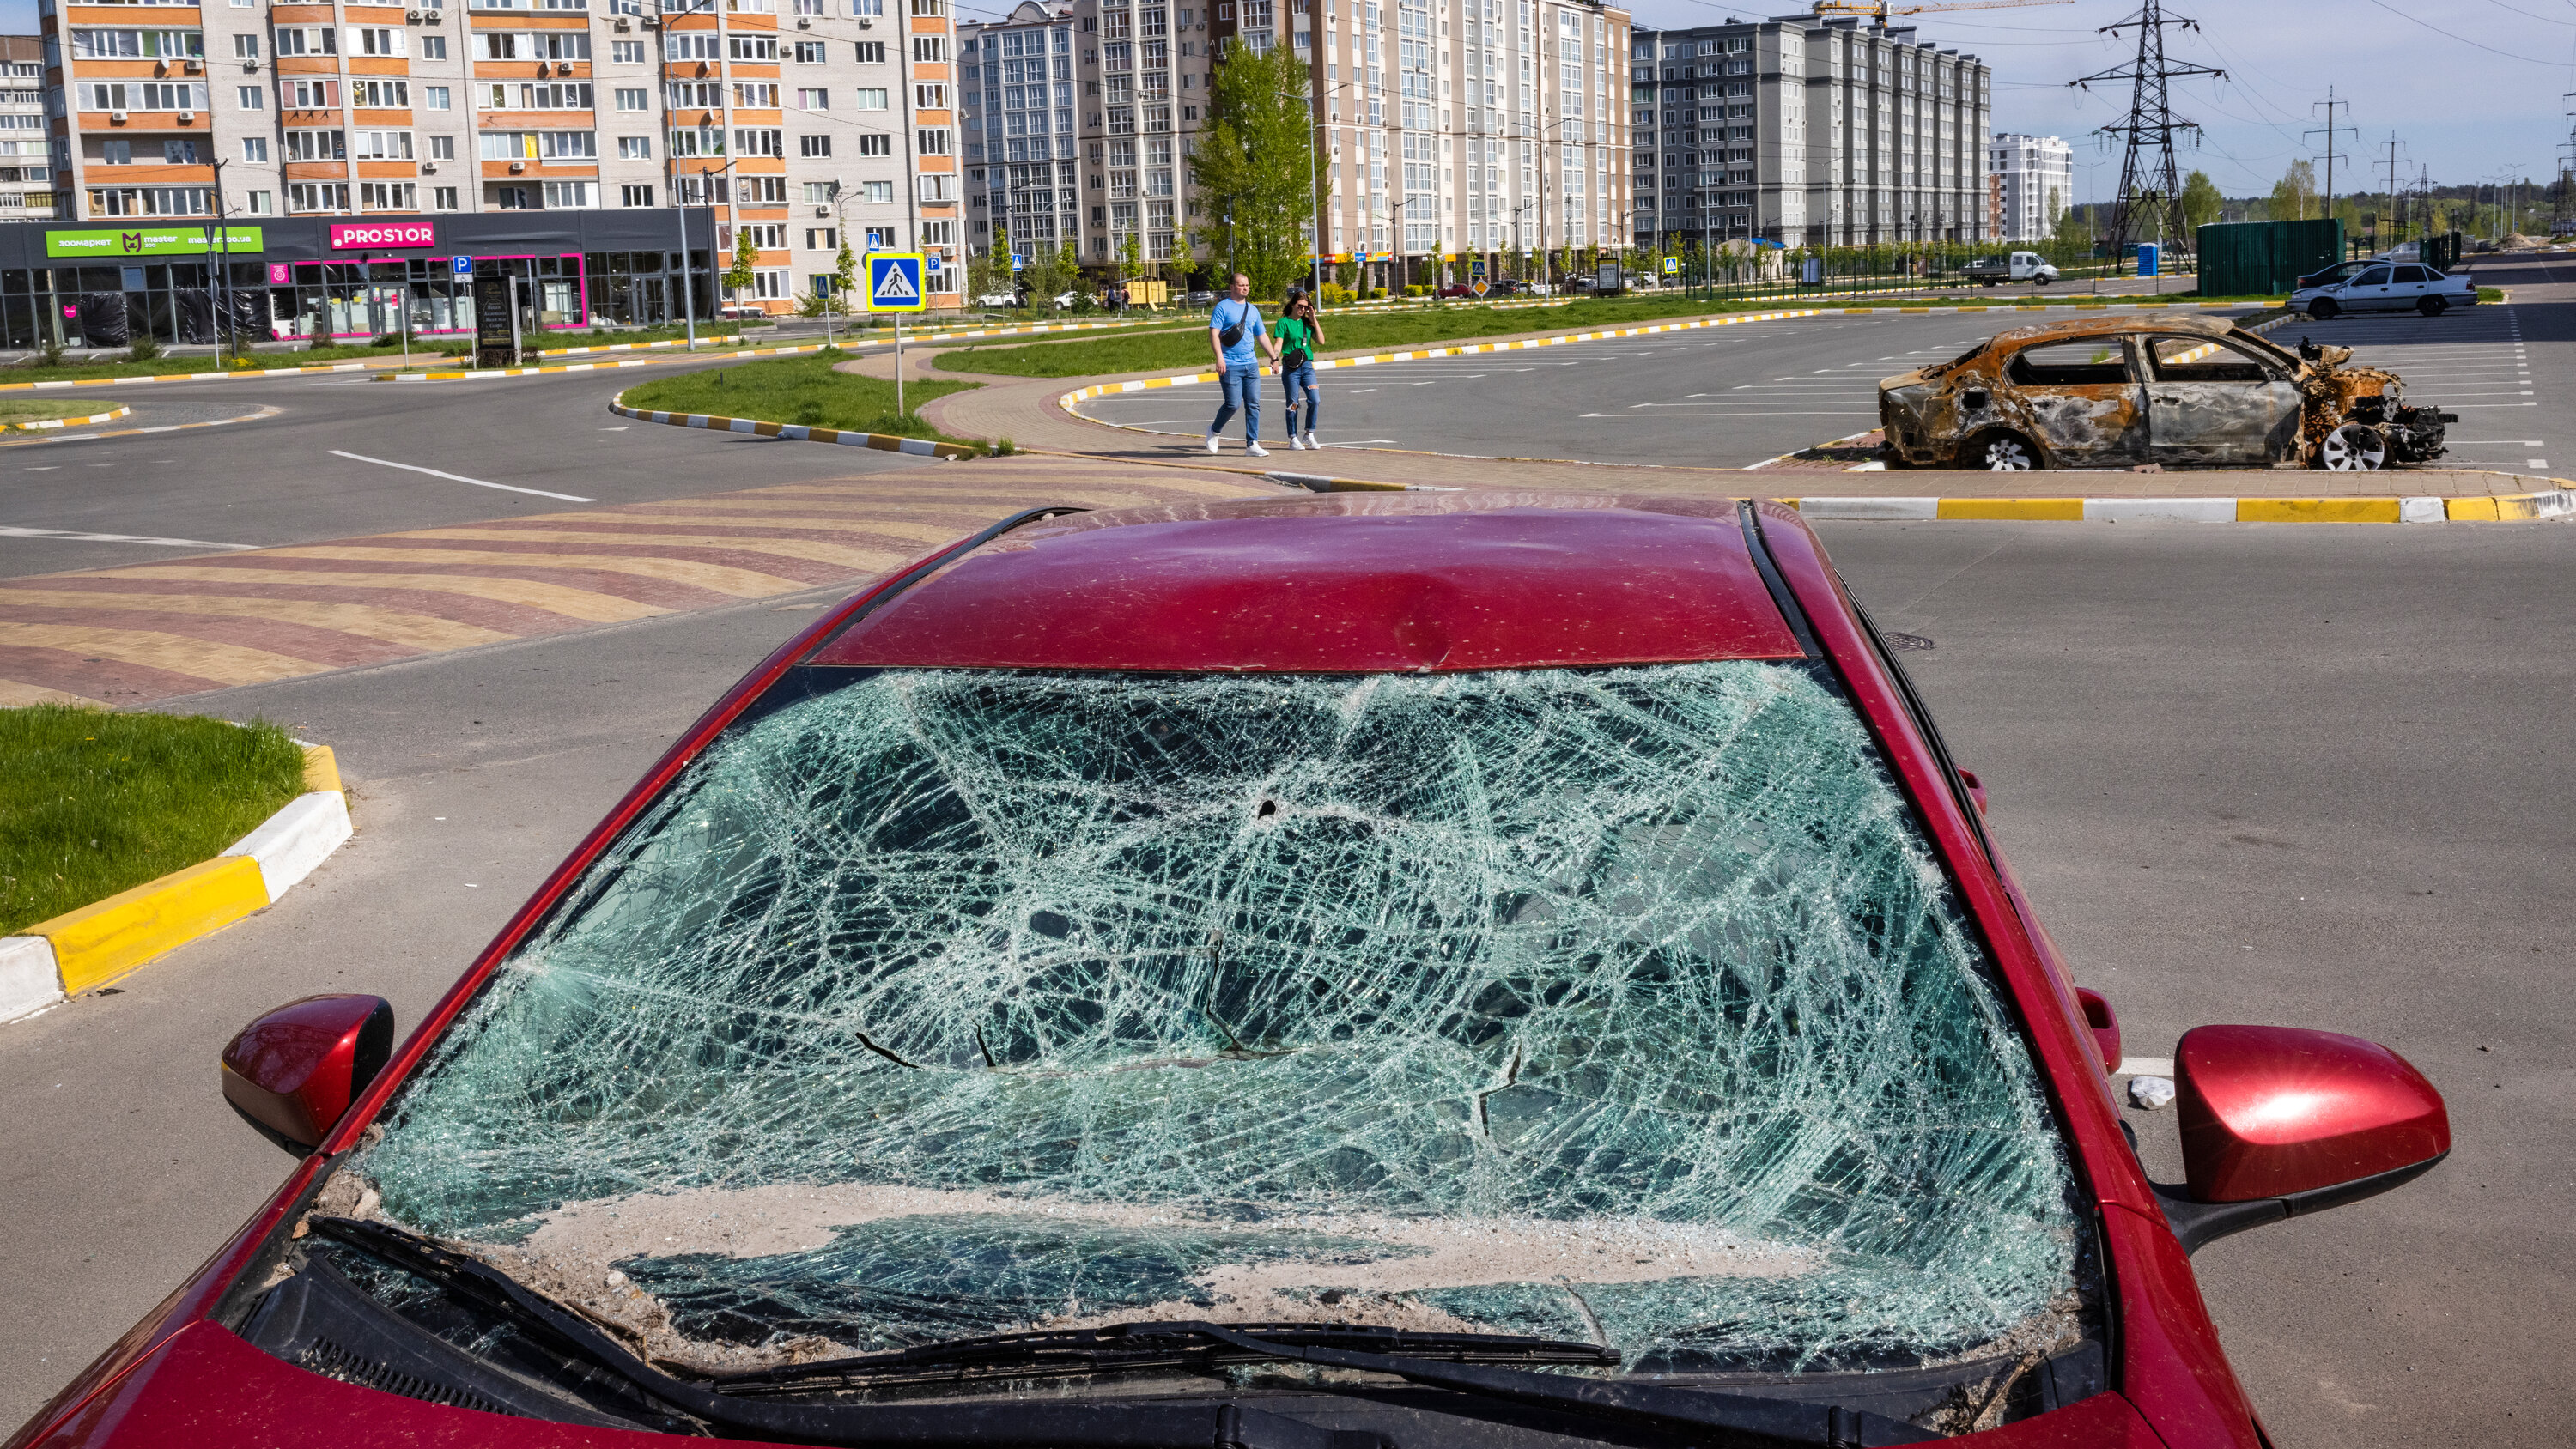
(1300, 381)
(1242, 390)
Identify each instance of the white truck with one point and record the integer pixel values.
(2019, 267)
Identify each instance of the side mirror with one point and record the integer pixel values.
(2105, 1025)
(2278, 1122)
(293, 1072)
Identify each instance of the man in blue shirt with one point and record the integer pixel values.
(1238, 363)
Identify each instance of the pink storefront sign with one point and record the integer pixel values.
(277, 274)
(349, 234)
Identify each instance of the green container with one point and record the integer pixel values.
(2264, 258)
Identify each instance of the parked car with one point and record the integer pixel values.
(2389, 286)
(1459, 289)
(2114, 392)
(1564, 972)
(998, 299)
(2339, 272)
(2019, 267)
(1202, 299)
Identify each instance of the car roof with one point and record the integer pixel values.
(2076, 328)
(1416, 581)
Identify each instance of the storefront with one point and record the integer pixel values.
(307, 276)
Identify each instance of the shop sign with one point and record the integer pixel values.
(346, 235)
(159, 240)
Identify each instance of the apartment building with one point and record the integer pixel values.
(26, 151)
(793, 123)
(2030, 181)
(1448, 128)
(1808, 130)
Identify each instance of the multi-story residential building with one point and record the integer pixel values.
(1447, 128)
(1806, 131)
(731, 120)
(26, 149)
(2030, 181)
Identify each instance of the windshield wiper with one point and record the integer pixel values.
(1063, 1424)
(1134, 1348)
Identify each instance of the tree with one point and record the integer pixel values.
(845, 269)
(746, 261)
(2294, 196)
(1254, 159)
(2201, 203)
(2056, 212)
(1131, 259)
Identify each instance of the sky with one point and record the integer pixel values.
(2471, 89)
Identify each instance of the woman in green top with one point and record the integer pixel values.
(1301, 336)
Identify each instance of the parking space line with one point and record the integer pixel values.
(460, 478)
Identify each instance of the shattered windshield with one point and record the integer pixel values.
(1622, 1005)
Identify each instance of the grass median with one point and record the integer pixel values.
(92, 803)
(799, 390)
(1343, 332)
(20, 411)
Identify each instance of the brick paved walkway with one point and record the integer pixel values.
(146, 632)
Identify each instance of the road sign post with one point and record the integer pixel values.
(894, 285)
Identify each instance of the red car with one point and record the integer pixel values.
(1415, 970)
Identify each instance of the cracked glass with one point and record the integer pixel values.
(1625, 1005)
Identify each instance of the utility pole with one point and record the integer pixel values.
(2562, 219)
(2150, 123)
(2330, 130)
(2393, 160)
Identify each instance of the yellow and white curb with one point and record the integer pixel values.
(46, 424)
(98, 944)
(799, 432)
(2559, 502)
(465, 375)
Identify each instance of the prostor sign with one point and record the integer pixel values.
(358, 234)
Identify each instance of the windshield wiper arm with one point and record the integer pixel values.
(1127, 1348)
(1743, 1419)
(1076, 1424)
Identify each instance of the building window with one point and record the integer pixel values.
(929, 96)
(317, 196)
(876, 193)
(260, 203)
(759, 143)
(388, 196)
(813, 98)
(632, 98)
(634, 148)
(769, 283)
(875, 145)
(813, 145)
(635, 196)
(443, 198)
(511, 198)
(809, 52)
(435, 97)
(932, 140)
(255, 148)
(872, 98)
(245, 47)
(572, 193)
(937, 186)
(252, 98)
(880, 238)
(871, 52)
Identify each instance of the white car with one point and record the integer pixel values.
(2387, 286)
(998, 299)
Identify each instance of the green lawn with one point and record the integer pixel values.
(92, 803)
(1159, 351)
(798, 390)
(15, 409)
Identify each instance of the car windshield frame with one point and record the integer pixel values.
(795, 691)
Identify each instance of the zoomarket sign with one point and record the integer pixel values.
(348, 234)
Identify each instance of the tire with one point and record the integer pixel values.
(2003, 453)
(2353, 448)
(2325, 309)
(2433, 306)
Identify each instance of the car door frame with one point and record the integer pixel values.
(2276, 417)
(2046, 412)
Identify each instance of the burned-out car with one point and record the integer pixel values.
(2116, 392)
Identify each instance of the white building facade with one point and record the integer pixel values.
(2030, 182)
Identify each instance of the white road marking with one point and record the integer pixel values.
(70, 537)
(459, 477)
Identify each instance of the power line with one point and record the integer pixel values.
(2330, 130)
(2149, 124)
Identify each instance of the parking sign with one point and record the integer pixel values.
(464, 266)
(894, 282)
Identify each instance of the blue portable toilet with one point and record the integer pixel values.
(2147, 258)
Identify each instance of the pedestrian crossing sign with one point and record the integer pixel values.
(894, 282)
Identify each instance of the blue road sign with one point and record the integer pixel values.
(894, 282)
(464, 266)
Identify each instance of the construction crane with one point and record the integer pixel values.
(1880, 10)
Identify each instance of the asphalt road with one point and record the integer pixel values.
(1733, 396)
(2306, 775)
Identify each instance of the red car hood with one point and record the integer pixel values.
(207, 1389)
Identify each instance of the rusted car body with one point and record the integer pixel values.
(2118, 392)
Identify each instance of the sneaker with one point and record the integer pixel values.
(1213, 440)
(1256, 450)
(1312, 444)
(1296, 443)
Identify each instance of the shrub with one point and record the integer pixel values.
(143, 348)
(1336, 295)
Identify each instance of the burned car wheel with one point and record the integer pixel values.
(2433, 306)
(2324, 309)
(2353, 448)
(2004, 453)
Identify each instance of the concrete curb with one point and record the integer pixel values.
(799, 432)
(46, 424)
(2509, 508)
(727, 354)
(229, 375)
(102, 942)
